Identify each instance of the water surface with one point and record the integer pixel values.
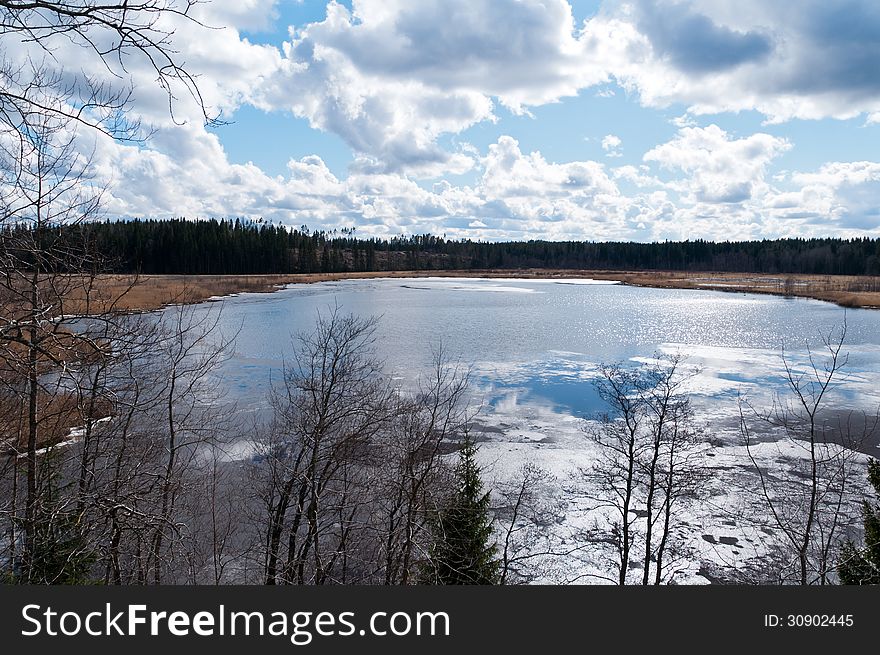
(539, 341)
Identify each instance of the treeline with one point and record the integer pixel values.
(244, 247)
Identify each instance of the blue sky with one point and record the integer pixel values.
(520, 119)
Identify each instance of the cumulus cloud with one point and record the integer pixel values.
(693, 42)
(391, 77)
(702, 183)
(845, 193)
(611, 145)
(395, 79)
(719, 168)
(392, 125)
(525, 52)
(810, 59)
(516, 196)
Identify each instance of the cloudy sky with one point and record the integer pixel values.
(520, 119)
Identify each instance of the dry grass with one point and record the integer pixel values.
(149, 292)
(844, 290)
(59, 412)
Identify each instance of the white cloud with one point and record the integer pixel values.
(391, 77)
(845, 193)
(611, 145)
(810, 59)
(525, 52)
(250, 15)
(718, 168)
(516, 195)
(713, 186)
(394, 79)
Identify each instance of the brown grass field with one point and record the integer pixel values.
(151, 292)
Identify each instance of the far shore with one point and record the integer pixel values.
(155, 291)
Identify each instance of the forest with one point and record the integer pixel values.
(179, 246)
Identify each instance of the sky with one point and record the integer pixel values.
(517, 119)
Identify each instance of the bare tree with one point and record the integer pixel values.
(126, 457)
(105, 413)
(808, 501)
(525, 508)
(680, 472)
(351, 466)
(671, 470)
(71, 360)
(329, 409)
(109, 35)
(616, 474)
(191, 348)
(45, 190)
(150, 465)
(413, 469)
(216, 547)
(648, 463)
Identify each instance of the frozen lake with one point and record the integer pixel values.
(538, 341)
(533, 347)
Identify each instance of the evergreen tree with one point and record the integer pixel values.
(59, 554)
(242, 247)
(862, 565)
(462, 551)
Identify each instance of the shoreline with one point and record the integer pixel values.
(156, 291)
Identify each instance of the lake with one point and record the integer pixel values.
(534, 346)
(539, 341)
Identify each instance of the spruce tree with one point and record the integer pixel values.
(59, 553)
(462, 551)
(862, 565)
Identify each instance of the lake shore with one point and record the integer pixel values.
(155, 291)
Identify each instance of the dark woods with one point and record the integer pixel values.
(242, 247)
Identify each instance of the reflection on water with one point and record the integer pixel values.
(539, 341)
